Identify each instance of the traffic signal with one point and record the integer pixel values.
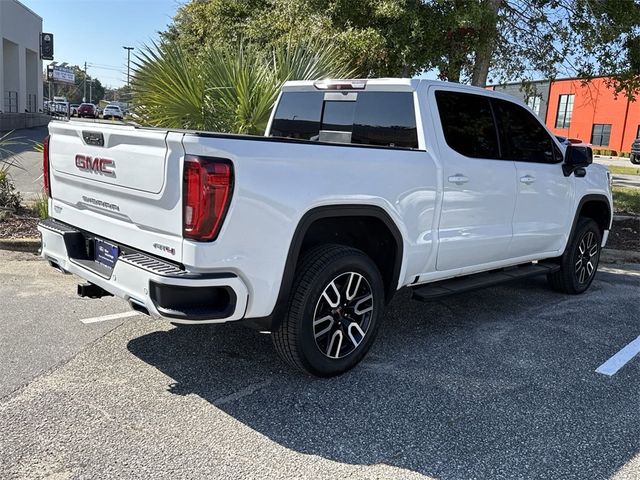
(46, 46)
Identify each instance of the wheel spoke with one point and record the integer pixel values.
(582, 275)
(578, 264)
(593, 250)
(361, 311)
(325, 294)
(327, 318)
(336, 337)
(589, 240)
(581, 247)
(350, 293)
(589, 268)
(350, 332)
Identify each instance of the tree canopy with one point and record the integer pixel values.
(463, 40)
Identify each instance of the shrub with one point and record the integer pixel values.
(9, 198)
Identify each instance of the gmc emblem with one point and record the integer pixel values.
(103, 166)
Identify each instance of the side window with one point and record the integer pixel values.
(468, 124)
(523, 138)
(386, 119)
(298, 115)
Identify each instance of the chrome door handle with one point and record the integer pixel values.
(458, 179)
(527, 179)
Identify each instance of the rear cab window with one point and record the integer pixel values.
(374, 118)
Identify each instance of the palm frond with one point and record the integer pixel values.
(227, 89)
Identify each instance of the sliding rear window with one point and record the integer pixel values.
(366, 118)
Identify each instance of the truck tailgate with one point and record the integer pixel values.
(119, 182)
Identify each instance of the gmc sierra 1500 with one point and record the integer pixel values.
(358, 188)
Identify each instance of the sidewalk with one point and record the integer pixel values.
(26, 177)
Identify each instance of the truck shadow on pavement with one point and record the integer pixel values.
(498, 383)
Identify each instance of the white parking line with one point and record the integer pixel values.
(620, 359)
(115, 316)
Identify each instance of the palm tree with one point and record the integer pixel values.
(229, 89)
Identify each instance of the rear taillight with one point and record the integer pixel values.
(45, 166)
(208, 183)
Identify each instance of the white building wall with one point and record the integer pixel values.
(22, 27)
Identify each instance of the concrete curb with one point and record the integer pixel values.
(621, 218)
(31, 245)
(609, 255)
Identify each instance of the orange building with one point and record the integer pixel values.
(589, 111)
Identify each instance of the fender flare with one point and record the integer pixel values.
(592, 197)
(311, 216)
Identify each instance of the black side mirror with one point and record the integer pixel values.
(576, 157)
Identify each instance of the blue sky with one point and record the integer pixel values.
(96, 30)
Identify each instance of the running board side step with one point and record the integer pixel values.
(444, 288)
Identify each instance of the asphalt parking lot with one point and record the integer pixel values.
(499, 383)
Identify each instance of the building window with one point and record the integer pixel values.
(10, 102)
(32, 102)
(600, 134)
(565, 109)
(534, 103)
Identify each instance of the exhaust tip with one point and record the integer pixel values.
(92, 291)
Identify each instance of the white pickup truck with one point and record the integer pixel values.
(358, 188)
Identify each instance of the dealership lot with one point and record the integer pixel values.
(500, 383)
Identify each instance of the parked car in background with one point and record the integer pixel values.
(635, 152)
(569, 141)
(112, 111)
(59, 109)
(87, 110)
(73, 109)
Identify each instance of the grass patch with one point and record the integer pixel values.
(41, 206)
(626, 199)
(624, 170)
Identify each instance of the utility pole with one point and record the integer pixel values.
(84, 94)
(90, 90)
(128, 49)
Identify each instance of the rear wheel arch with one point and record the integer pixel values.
(315, 227)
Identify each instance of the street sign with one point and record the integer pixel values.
(46, 46)
(56, 73)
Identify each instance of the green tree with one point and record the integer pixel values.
(377, 37)
(121, 94)
(464, 40)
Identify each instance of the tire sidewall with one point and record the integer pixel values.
(315, 361)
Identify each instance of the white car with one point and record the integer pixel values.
(358, 189)
(112, 111)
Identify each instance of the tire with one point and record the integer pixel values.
(579, 263)
(326, 275)
(634, 159)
